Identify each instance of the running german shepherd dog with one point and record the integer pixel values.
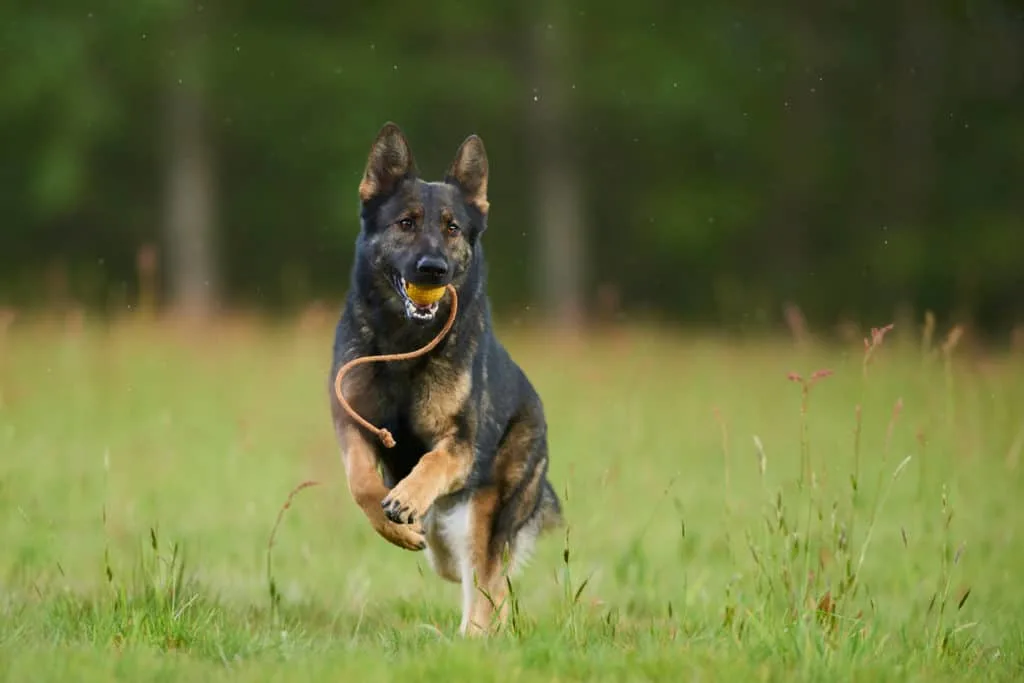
(467, 480)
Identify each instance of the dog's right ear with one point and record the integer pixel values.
(390, 161)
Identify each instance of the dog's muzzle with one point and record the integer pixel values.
(420, 312)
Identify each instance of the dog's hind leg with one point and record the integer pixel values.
(490, 561)
(484, 591)
(458, 533)
(446, 526)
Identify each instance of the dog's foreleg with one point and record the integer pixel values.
(439, 472)
(367, 487)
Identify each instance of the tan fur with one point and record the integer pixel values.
(508, 463)
(445, 468)
(490, 596)
(436, 406)
(438, 473)
(531, 491)
(367, 187)
(367, 488)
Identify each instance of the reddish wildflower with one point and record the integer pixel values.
(877, 335)
(898, 408)
(820, 374)
(952, 340)
(826, 606)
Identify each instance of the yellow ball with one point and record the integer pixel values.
(423, 296)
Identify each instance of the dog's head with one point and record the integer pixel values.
(416, 234)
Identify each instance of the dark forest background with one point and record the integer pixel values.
(701, 162)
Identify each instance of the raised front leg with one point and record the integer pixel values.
(367, 488)
(439, 472)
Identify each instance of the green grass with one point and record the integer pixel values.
(721, 523)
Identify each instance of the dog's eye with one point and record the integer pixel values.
(407, 223)
(453, 229)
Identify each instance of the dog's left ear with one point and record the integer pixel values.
(469, 172)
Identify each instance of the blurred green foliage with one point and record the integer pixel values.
(846, 156)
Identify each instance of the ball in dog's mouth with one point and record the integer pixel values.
(421, 303)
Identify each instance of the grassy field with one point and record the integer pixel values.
(721, 522)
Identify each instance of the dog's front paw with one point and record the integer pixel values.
(407, 536)
(407, 502)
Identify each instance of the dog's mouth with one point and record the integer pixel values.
(421, 303)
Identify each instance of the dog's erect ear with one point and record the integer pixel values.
(390, 161)
(469, 172)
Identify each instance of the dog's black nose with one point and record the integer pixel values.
(432, 266)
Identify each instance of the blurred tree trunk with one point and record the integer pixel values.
(561, 245)
(912, 99)
(189, 219)
(796, 183)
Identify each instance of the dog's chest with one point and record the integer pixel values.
(427, 402)
(419, 410)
